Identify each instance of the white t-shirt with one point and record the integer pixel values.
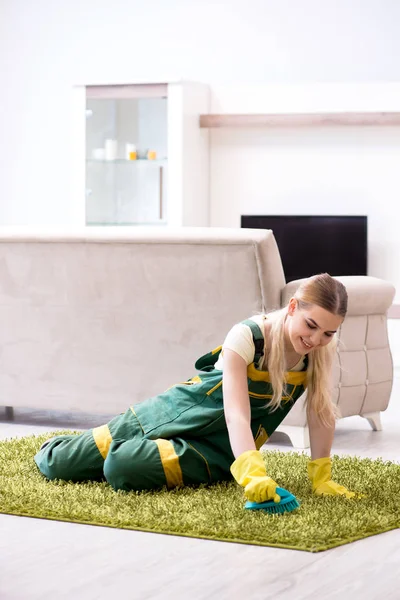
(240, 340)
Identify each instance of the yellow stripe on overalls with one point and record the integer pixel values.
(170, 463)
(103, 439)
(261, 437)
(291, 377)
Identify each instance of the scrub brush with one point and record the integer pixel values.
(287, 503)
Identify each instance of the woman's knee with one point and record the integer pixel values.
(51, 461)
(133, 467)
(70, 458)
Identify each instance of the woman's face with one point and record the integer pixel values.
(309, 328)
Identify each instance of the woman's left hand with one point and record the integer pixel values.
(320, 473)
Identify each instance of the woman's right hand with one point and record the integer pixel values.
(249, 471)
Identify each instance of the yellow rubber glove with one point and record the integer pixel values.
(320, 473)
(249, 471)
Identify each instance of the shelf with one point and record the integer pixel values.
(130, 91)
(300, 120)
(122, 161)
(160, 222)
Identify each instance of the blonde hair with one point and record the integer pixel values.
(328, 293)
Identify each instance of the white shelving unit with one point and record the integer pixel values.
(172, 190)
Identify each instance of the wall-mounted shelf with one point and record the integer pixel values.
(300, 120)
(124, 161)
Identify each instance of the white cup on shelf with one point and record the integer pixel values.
(110, 149)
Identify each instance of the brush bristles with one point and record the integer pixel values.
(287, 503)
(279, 509)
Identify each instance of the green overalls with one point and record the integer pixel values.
(177, 438)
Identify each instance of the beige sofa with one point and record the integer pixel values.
(98, 319)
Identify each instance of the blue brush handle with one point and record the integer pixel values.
(285, 498)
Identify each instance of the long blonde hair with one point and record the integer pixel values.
(328, 293)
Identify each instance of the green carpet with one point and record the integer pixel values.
(212, 512)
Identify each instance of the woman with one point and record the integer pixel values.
(211, 426)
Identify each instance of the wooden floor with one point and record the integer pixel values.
(42, 559)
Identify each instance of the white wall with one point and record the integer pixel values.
(312, 170)
(46, 47)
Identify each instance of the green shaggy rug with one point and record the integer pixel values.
(214, 512)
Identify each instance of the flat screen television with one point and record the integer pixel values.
(316, 244)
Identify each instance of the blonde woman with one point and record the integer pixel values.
(212, 426)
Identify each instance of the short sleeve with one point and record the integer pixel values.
(240, 340)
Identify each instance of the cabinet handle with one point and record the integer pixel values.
(161, 193)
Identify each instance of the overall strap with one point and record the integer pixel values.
(207, 361)
(258, 339)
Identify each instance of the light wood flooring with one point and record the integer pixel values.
(43, 560)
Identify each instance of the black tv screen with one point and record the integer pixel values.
(319, 244)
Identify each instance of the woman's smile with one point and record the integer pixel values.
(306, 344)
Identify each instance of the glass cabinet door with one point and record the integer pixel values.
(126, 161)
